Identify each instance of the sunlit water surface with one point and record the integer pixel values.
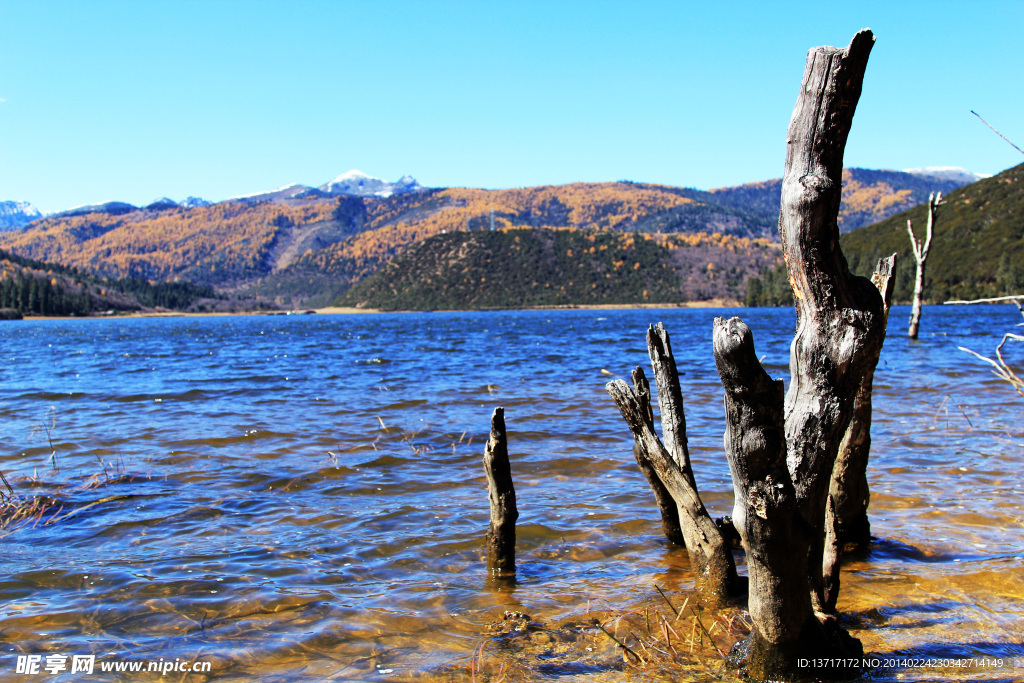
(302, 497)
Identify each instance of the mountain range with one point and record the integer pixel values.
(300, 245)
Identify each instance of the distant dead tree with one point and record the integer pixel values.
(921, 256)
(783, 447)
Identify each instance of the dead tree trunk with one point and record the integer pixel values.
(710, 556)
(501, 533)
(840, 317)
(840, 328)
(849, 486)
(670, 397)
(921, 255)
(666, 504)
(777, 539)
(846, 518)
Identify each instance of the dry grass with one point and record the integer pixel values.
(19, 510)
(688, 639)
(652, 641)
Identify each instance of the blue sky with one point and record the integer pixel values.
(134, 100)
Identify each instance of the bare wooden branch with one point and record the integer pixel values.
(1015, 297)
(666, 504)
(670, 396)
(992, 128)
(921, 256)
(711, 560)
(1002, 370)
(501, 533)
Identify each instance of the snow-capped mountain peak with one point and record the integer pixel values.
(13, 215)
(357, 183)
(353, 176)
(955, 173)
(161, 204)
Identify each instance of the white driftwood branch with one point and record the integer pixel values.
(1014, 297)
(1002, 370)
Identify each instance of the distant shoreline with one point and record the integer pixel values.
(349, 310)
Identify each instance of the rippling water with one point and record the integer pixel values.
(302, 497)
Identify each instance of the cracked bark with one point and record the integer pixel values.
(666, 504)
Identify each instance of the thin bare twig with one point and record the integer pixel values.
(997, 132)
(997, 299)
(626, 650)
(671, 606)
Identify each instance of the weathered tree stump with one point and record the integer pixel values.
(781, 510)
(765, 513)
(710, 556)
(783, 449)
(921, 257)
(666, 504)
(840, 317)
(501, 533)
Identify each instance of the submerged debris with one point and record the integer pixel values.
(18, 510)
(656, 640)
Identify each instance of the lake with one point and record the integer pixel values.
(302, 497)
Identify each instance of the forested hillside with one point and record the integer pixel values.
(977, 251)
(518, 267)
(37, 288)
(868, 196)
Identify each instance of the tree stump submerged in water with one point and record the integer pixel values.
(783, 448)
(667, 467)
(501, 533)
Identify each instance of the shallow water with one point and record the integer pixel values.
(301, 497)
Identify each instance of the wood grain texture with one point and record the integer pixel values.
(840, 318)
(784, 450)
(848, 491)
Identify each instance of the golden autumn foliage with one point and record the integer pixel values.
(231, 238)
(301, 248)
(871, 202)
(868, 195)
